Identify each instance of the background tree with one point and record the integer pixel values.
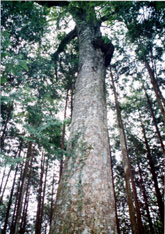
(50, 68)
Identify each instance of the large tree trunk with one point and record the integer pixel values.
(85, 200)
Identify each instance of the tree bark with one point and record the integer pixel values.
(40, 190)
(10, 202)
(117, 219)
(138, 213)
(22, 189)
(157, 91)
(44, 190)
(52, 200)
(2, 180)
(4, 188)
(4, 132)
(145, 200)
(63, 135)
(85, 200)
(12, 227)
(126, 163)
(8, 175)
(71, 102)
(154, 121)
(152, 169)
(26, 203)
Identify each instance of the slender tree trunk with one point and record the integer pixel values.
(44, 190)
(152, 168)
(8, 175)
(10, 202)
(138, 213)
(126, 163)
(145, 200)
(4, 132)
(25, 213)
(46, 228)
(63, 135)
(40, 190)
(26, 202)
(71, 101)
(11, 194)
(85, 200)
(117, 219)
(154, 121)
(4, 187)
(2, 180)
(12, 227)
(157, 91)
(22, 189)
(52, 200)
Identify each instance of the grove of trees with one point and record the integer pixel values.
(82, 117)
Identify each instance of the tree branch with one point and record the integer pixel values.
(106, 17)
(71, 35)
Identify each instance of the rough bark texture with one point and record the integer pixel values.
(85, 199)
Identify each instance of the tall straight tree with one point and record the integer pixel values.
(154, 176)
(154, 120)
(136, 223)
(85, 199)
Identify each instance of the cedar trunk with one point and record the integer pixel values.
(126, 164)
(40, 191)
(154, 121)
(154, 176)
(159, 96)
(85, 200)
(22, 189)
(142, 184)
(63, 136)
(10, 202)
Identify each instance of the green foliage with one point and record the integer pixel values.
(33, 90)
(7, 160)
(17, 15)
